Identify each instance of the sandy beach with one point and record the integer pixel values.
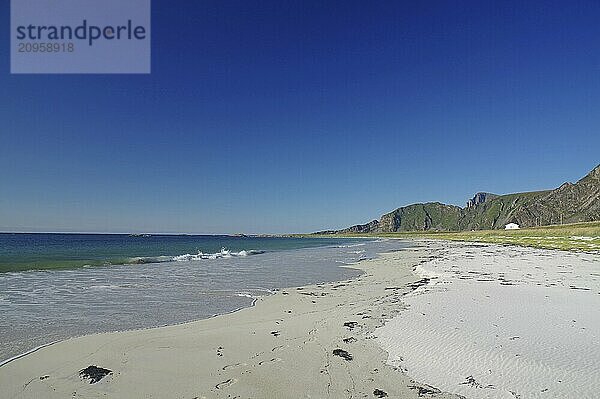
(315, 341)
(502, 322)
(324, 340)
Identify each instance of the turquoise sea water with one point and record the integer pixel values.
(56, 286)
(62, 251)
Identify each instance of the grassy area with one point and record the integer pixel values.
(570, 237)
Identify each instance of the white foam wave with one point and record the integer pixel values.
(350, 245)
(223, 253)
(246, 295)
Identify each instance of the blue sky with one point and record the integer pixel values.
(297, 116)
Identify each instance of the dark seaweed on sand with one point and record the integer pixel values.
(94, 373)
(343, 354)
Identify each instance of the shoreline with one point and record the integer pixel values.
(156, 295)
(320, 335)
(16, 357)
(254, 299)
(361, 337)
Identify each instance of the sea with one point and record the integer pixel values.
(57, 286)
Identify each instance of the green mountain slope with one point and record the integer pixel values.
(569, 203)
(430, 216)
(509, 208)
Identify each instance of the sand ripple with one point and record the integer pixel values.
(502, 322)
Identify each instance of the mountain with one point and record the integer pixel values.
(480, 198)
(569, 203)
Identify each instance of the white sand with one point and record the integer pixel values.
(530, 329)
(502, 322)
(281, 348)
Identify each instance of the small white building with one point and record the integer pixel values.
(511, 226)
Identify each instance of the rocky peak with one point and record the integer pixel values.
(479, 198)
(595, 173)
(565, 186)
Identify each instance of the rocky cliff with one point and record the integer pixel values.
(480, 198)
(569, 203)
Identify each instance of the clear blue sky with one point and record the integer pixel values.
(296, 116)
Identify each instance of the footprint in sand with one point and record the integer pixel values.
(226, 383)
(350, 325)
(232, 366)
(275, 359)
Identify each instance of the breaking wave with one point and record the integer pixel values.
(223, 253)
(360, 244)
